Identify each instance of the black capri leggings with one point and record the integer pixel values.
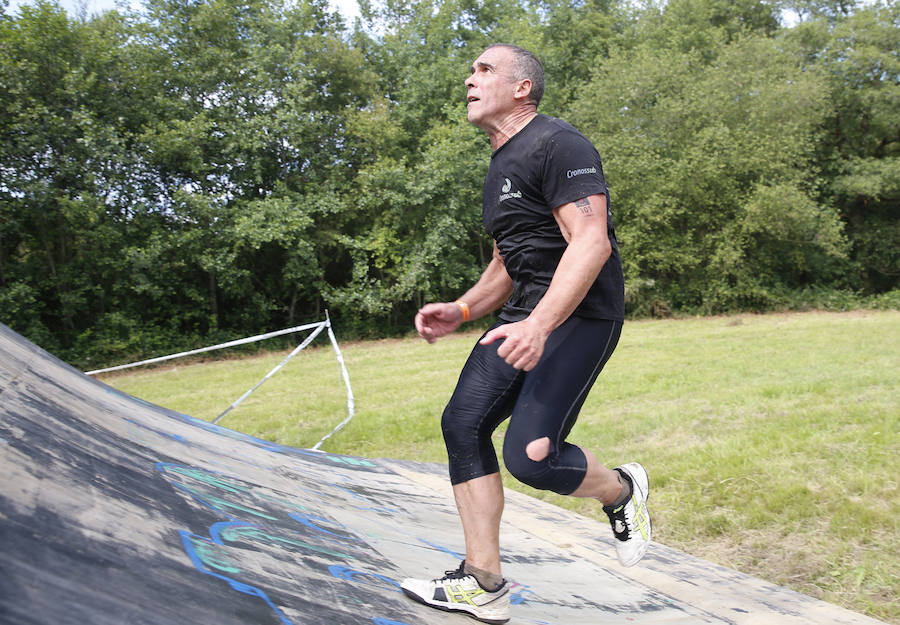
(543, 402)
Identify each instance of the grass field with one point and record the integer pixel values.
(772, 441)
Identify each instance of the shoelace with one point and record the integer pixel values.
(459, 573)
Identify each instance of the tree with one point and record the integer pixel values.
(859, 150)
(254, 103)
(709, 152)
(423, 240)
(67, 160)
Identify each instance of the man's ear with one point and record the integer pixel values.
(523, 90)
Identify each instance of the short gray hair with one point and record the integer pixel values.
(526, 66)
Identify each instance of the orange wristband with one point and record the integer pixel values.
(464, 308)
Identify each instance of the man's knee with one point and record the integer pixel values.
(531, 465)
(456, 434)
(538, 449)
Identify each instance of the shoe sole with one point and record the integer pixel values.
(445, 608)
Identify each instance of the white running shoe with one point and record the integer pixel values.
(458, 591)
(631, 520)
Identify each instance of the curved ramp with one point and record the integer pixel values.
(116, 511)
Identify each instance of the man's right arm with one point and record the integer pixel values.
(487, 295)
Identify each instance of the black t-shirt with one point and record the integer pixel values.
(543, 166)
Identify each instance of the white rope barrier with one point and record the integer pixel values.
(250, 339)
(317, 329)
(296, 351)
(346, 377)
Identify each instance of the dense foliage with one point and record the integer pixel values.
(211, 168)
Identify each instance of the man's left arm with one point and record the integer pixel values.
(583, 224)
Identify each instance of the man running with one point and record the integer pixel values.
(556, 277)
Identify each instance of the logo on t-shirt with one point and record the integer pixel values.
(506, 192)
(580, 172)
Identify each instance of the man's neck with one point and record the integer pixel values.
(512, 124)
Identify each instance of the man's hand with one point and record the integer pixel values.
(436, 320)
(523, 343)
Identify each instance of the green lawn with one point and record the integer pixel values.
(772, 441)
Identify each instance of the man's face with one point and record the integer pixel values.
(491, 87)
